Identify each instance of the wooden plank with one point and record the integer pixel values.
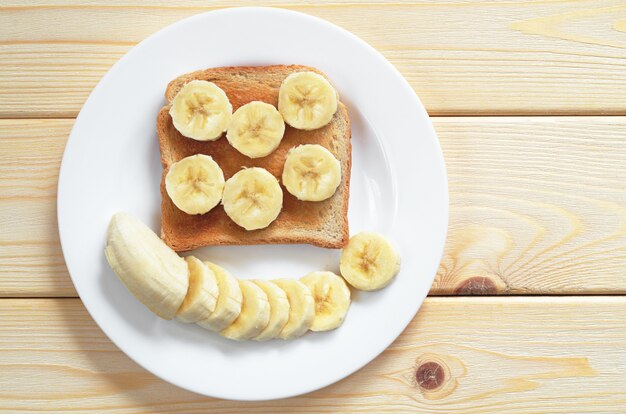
(514, 355)
(469, 57)
(31, 261)
(537, 205)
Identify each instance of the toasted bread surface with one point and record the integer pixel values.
(323, 223)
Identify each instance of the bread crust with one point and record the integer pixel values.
(323, 223)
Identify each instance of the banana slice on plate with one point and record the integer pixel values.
(148, 268)
(256, 129)
(228, 306)
(332, 299)
(195, 184)
(306, 100)
(202, 293)
(201, 110)
(311, 172)
(301, 311)
(279, 310)
(252, 198)
(254, 316)
(369, 261)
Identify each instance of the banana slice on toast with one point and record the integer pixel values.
(195, 184)
(311, 172)
(256, 129)
(306, 100)
(201, 111)
(252, 198)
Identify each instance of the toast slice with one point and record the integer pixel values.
(323, 223)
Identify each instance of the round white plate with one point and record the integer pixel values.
(399, 188)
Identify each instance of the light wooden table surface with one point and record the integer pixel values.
(528, 99)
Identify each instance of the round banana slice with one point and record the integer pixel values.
(256, 129)
(201, 110)
(202, 294)
(332, 299)
(149, 269)
(229, 300)
(311, 172)
(195, 184)
(254, 316)
(252, 198)
(301, 311)
(279, 310)
(306, 100)
(369, 261)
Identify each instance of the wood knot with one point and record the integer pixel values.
(477, 285)
(430, 376)
(435, 376)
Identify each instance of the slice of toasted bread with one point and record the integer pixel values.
(323, 223)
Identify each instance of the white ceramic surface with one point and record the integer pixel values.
(111, 163)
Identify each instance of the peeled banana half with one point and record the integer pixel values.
(369, 261)
(201, 111)
(332, 299)
(311, 172)
(150, 270)
(306, 100)
(207, 294)
(195, 184)
(252, 198)
(256, 129)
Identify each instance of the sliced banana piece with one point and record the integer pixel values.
(279, 310)
(201, 110)
(229, 300)
(311, 172)
(301, 311)
(202, 293)
(149, 269)
(252, 198)
(306, 100)
(256, 129)
(369, 261)
(332, 299)
(195, 184)
(254, 316)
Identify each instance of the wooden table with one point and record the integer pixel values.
(527, 99)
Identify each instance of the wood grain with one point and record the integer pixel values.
(31, 261)
(466, 57)
(537, 205)
(521, 355)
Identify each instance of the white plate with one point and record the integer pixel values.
(111, 163)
